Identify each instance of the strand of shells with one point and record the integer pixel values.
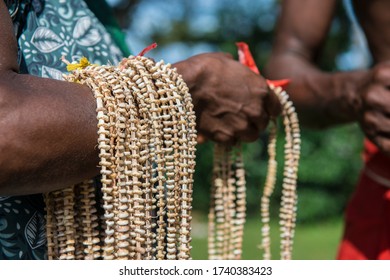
(289, 198)
(146, 141)
(228, 205)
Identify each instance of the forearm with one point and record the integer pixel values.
(48, 134)
(321, 99)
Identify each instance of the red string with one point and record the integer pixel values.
(148, 48)
(246, 58)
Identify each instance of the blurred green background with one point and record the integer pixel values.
(330, 159)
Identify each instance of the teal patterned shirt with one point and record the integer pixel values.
(51, 29)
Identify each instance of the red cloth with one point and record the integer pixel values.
(367, 227)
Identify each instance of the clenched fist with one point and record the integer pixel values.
(231, 102)
(375, 97)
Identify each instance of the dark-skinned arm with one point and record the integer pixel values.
(48, 127)
(322, 99)
(325, 99)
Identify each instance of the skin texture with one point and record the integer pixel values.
(232, 103)
(48, 128)
(326, 99)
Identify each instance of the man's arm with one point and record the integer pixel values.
(322, 99)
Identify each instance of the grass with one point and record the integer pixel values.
(317, 241)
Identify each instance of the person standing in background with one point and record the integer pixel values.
(325, 99)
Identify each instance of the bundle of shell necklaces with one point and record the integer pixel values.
(227, 212)
(141, 206)
(146, 141)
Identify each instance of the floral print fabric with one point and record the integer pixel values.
(52, 29)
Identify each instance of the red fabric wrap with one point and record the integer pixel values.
(367, 227)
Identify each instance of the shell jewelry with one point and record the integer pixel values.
(140, 208)
(146, 141)
(228, 205)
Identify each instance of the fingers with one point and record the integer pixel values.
(242, 128)
(383, 143)
(229, 122)
(376, 127)
(228, 129)
(228, 55)
(262, 109)
(232, 103)
(381, 73)
(224, 139)
(264, 104)
(377, 98)
(256, 116)
(214, 128)
(375, 115)
(249, 110)
(375, 122)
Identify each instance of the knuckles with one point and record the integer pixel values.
(223, 138)
(235, 100)
(381, 73)
(376, 97)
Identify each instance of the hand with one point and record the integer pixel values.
(231, 102)
(375, 115)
